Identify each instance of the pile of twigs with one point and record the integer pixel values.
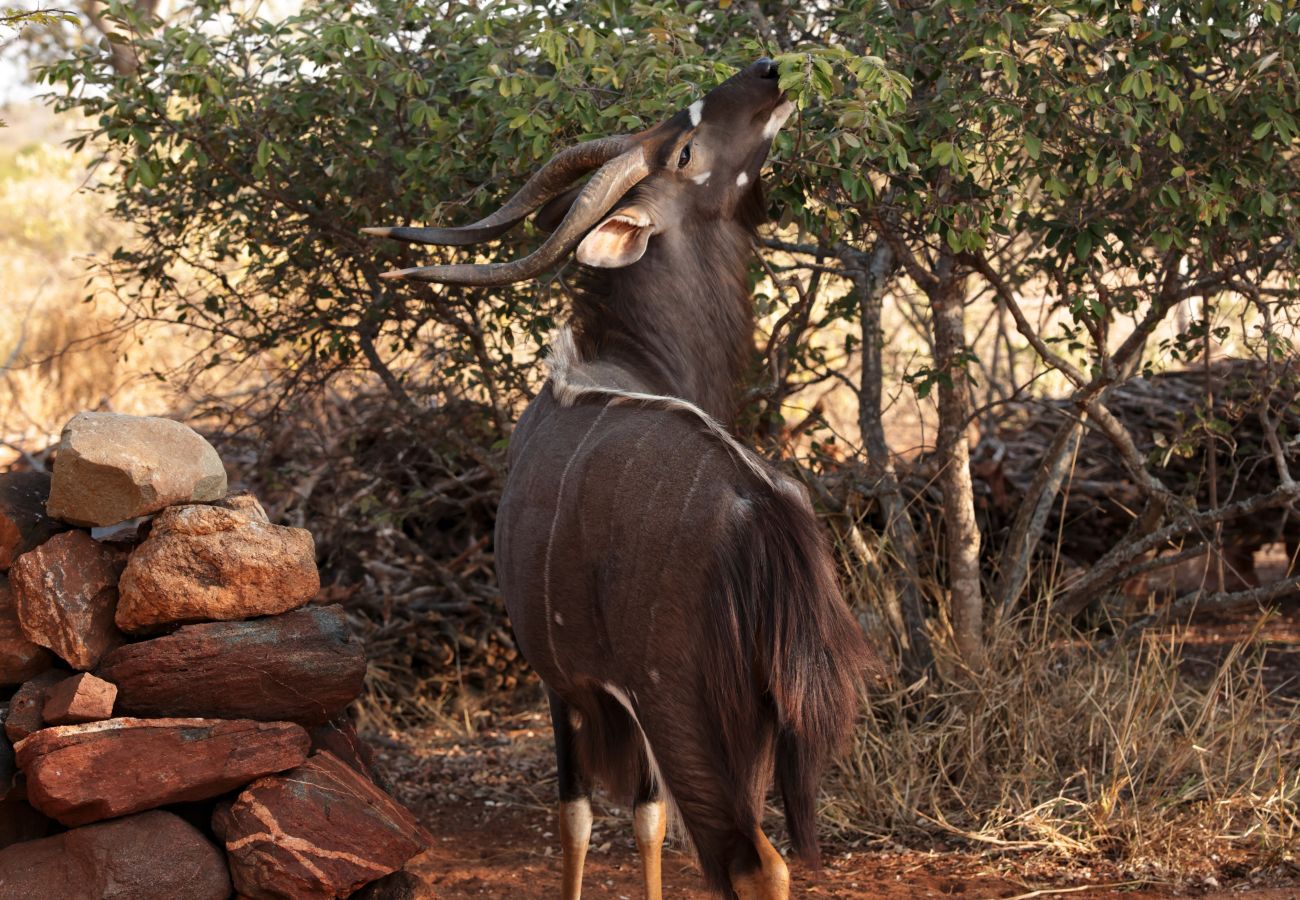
(402, 509)
(1246, 413)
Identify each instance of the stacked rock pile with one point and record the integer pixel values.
(177, 727)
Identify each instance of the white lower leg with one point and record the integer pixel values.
(575, 834)
(649, 822)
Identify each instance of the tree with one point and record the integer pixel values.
(1114, 159)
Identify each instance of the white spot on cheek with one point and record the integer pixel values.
(695, 110)
(559, 619)
(702, 178)
(742, 179)
(654, 675)
(777, 119)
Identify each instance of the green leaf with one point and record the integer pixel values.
(1033, 146)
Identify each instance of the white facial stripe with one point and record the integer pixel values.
(742, 179)
(702, 178)
(777, 119)
(695, 110)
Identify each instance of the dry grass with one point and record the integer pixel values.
(63, 347)
(1083, 757)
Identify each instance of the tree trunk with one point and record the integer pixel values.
(947, 296)
(870, 271)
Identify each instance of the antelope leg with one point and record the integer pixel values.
(575, 800)
(649, 822)
(770, 881)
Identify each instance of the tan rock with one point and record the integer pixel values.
(153, 856)
(245, 503)
(81, 698)
(83, 773)
(322, 830)
(24, 524)
(66, 595)
(205, 563)
(20, 659)
(112, 467)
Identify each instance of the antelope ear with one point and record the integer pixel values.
(618, 241)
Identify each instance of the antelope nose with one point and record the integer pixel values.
(764, 68)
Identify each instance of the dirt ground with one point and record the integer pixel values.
(485, 789)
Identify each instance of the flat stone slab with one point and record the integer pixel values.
(112, 467)
(304, 666)
(322, 830)
(152, 856)
(79, 774)
(208, 563)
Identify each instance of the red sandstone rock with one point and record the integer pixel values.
(83, 773)
(340, 738)
(66, 594)
(321, 830)
(112, 467)
(20, 659)
(153, 856)
(208, 563)
(26, 707)
(81, 698)
(303, 666)
(23, 522)
(19, 820)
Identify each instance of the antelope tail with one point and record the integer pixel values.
(796, 656)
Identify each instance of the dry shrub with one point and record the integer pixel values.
(1084, 756)
(402, 509)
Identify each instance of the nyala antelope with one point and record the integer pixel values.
(671, 588)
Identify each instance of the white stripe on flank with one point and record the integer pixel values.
(550, 616)
(563, 364)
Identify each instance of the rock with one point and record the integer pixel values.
(304, 666)
(153, 856)
(26, 706)
(132, 531)
(81, 698)
(111, 467)
(322, 830)
(245, 503)
(8, 767)
(19, 820)
(66, 595)
(20, 659)
(208, 563)
(83, 773)
(401, 885)
(341, 739)
(23, 523)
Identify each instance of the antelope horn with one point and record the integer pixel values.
(550, 181)
(611, 181)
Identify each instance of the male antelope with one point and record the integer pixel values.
(671, 588)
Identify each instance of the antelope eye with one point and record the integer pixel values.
(684, 157)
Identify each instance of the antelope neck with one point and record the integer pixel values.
(680, 320)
